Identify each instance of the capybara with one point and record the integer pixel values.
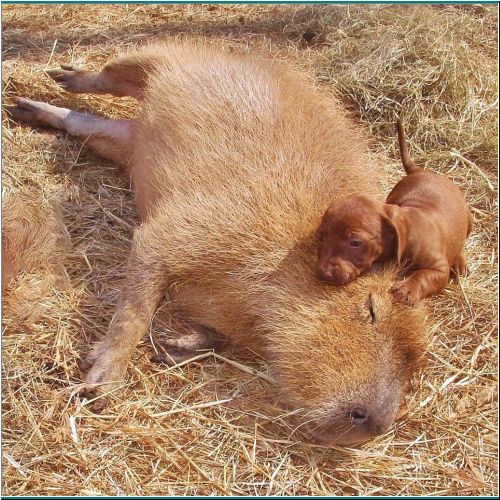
(34, 236)
(232, 161)
(424, 221)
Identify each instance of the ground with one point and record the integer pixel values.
(212, 426)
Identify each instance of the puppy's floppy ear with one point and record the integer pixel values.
(394, 217)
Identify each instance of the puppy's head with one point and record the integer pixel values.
(354, 232)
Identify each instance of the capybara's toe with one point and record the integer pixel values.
(68, 77)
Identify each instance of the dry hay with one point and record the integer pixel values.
(212, 426)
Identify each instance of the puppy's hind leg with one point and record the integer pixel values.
(110, 139)
(459, 266)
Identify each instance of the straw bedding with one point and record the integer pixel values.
(211, 426)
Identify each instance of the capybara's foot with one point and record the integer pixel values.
(107, 371)
(172, 356)
(174, 351)
(90, 393)
(403, 292)
(106, 374)
(72, 78)
(36, 114)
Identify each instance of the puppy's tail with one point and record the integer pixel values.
(408, 163)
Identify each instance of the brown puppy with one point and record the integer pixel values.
(424, 221)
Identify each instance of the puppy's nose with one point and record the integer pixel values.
(333, 274)
(324, 273)
(369, 419)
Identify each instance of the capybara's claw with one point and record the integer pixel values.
(15, 113)
(98, 405)
(85, 365)
(22, 101)
(173, 356)
(70, 67)
(26, 111)
(68, 77)
(89, 393)
(96, 385)
(59, 75)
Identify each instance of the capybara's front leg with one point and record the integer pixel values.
(143, 290)
(108, 360)
(420, 284)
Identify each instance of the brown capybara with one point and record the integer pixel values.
(424, 221)
(232, 161)
(33, 236)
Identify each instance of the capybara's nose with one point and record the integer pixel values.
(358, 416)
(370, 420)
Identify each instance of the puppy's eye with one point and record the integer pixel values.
(320, 237)
(355, 243)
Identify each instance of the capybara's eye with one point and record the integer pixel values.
(371, 308)
(372, 312)
(355, 243)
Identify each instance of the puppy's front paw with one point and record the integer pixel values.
(403, 292)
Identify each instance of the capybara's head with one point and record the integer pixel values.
(354, 232)
(344, 356)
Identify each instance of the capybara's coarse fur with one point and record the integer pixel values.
(424, 222)
(33, 236)
(233, 161)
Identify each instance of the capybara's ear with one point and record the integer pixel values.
(395, 220)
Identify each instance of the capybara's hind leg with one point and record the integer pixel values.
(111, 139)
(124, 76)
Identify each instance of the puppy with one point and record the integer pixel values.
(425, 222)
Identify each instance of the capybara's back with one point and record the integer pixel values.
(233, 162)
(218, 122)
